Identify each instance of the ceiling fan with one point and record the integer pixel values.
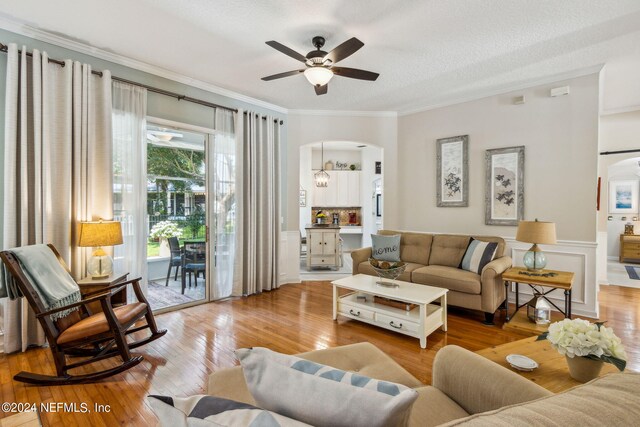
(320, 64)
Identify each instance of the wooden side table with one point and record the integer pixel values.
(90, 285)
(553, 279)
(552, 373)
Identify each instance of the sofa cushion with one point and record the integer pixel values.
(433, 407)
(202, 410)
(611, 400)
(305, 390)
(451, 278)
(478, 255)
(448, 250)
(366, 268)
(385, 248)
(414, 247)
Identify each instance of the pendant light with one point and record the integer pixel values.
(321, 177)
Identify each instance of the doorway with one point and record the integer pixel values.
(623, 266)
(352, 199)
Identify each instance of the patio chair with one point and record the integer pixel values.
(176, 258)
(193, 262)
(96, 336)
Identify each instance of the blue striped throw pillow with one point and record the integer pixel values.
(321, 395)
(478, 255)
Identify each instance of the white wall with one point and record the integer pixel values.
(560, 136)
(370, 155)
(620, 83)
(627, 170)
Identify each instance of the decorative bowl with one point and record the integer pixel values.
(387, 269)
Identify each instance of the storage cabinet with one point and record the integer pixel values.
(630, 247)
(343, 190)
(323, 247)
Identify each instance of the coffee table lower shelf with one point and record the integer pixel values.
(418, 322)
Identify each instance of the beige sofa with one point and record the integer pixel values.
(469, 390)
(433, 259)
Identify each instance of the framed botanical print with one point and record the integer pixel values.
(453, 172)
(504, 192)
(623, 196)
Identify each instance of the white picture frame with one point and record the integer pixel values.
(623, 196)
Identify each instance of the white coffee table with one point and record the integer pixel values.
(418, 323)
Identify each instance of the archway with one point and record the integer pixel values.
(359, 213)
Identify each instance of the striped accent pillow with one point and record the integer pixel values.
(202, 410)
(478, 255)
(321, 395)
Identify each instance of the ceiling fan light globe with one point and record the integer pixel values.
(318, 76)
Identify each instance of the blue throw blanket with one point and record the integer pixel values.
(48, 277)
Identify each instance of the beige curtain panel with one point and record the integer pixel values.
(57, 166)
(258, 205)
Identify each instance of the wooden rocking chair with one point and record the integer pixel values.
(95, 336)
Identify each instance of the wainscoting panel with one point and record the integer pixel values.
(578, 257)
(289, 261)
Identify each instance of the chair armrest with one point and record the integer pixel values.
(100, 297)
(358, 256)
(478, 384)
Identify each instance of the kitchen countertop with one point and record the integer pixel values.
(322, 227)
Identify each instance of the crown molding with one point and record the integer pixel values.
(343, 113)
(526, 84)
(621, 110)
(44, 36)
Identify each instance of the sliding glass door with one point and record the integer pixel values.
(177, 248)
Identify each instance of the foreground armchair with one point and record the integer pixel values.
(71, 328)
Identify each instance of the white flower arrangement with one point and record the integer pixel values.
(165, 230)
(581, 338)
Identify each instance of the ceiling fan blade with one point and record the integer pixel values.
(287, 51)
(347, 48)
(354, 73)
(321, 90)
(281, 75)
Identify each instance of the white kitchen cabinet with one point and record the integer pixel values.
(343, 190)
(323, 247)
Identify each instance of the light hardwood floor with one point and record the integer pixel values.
(294, 319)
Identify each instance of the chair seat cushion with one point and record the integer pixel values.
(194, 266)
(451, 278)
(98, 324)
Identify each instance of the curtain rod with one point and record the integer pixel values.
(4, 48)
(607, 153)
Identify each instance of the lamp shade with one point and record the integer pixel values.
(536, 232)
(100, 233)
(318, 76)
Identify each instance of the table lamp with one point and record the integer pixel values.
(536, 232)
(97, 234)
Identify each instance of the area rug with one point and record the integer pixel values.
(161, 296)
(633, 272)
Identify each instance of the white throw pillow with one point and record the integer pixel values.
(203, 410)
(321, 395)
(385, 248)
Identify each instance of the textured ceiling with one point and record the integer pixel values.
(427, 52)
